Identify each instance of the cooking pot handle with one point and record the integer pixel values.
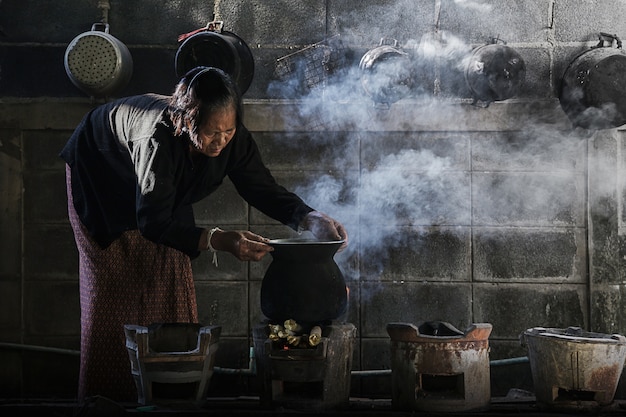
(608, 37)
(100, 24)
(212, 26)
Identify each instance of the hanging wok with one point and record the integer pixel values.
(593, 88)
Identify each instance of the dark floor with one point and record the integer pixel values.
(250, 406)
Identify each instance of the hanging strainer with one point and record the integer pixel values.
(98, 63)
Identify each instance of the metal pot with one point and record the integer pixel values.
(386, 72)
(98, 63)
(303, 282)
(494, 72)
(217, 48)
(593, 88)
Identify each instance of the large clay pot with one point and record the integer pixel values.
(303, 282)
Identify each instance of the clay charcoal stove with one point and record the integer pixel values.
(304, 366)
(438, 368)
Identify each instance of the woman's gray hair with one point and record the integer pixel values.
(202, 91)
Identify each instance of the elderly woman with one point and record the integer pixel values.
(135, 166)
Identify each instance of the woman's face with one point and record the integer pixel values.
(218, 129)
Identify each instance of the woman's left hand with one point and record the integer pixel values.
(325, 227)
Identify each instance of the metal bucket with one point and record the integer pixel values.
(98, 63)
(573, 369)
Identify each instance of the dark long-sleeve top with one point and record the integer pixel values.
(129, 172)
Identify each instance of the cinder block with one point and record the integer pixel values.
(128, 22)
(597, 16)
(41, 150)
(61, 314)
(529, 254)
(528, 199)
(45, 197)
(224, 206)
(400, 301)
(41, 262)
(10, 308)
(416, 253)
(224, 304)
(513, 308)
(365, 23)
(528, 151)
(257, 23)
(424, 151)
(510, 20)
(57, 24)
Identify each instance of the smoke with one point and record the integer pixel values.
(409, 179)
(474, 5)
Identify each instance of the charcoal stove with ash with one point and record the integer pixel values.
(305, 375)
(303, 350)
(438, 368)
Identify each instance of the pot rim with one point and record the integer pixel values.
(303, 241)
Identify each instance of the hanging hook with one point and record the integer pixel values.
(105, 6)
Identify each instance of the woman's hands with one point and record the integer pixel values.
(248, 246)
(324, 227)
(244, 245)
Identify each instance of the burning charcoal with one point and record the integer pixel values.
(275, 328)
(292, 326)
(274, 337)
(277, 332)
(294, 340)
(315, 337)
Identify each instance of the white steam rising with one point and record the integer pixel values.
(474, 5)
(529, 178)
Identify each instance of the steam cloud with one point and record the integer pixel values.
(530, 178)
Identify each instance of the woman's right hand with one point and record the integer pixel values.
(243, 244)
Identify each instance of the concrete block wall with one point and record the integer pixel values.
(503, 214)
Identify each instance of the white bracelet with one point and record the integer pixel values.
(210, 247)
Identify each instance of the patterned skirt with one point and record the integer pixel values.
(133, 281)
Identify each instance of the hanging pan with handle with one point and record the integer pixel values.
(593, 87)
(213, 47)
(494, 72)
(386, 73)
